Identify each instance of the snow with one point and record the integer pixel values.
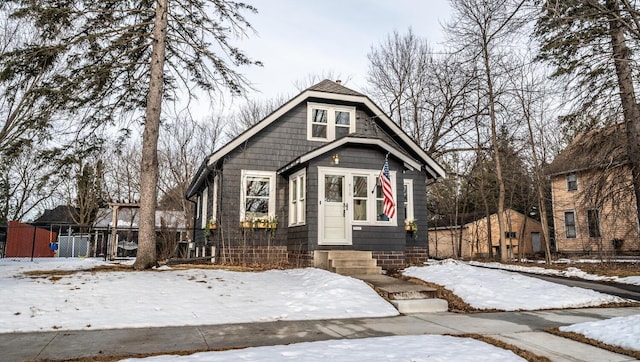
(621, 331)
(397, 348)
(497, 289)
(570, 272)
(59, 300)
(86, 300)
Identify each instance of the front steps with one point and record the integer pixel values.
(347, 262)
(407, 297)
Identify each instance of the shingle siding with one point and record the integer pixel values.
(279, 144)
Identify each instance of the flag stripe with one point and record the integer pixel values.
(389, 207)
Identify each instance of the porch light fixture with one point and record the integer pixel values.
(336, 159)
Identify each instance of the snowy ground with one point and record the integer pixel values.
(86, 300)
(397, 348)
(167, 297)
(498, 289)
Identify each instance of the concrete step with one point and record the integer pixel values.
(349, 254)
(358, 270)
(397, 289)
(410, 306)
(346, 263)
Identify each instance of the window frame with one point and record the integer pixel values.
(510, 235)
(203, 211)
(298, 198)
(331, 120)
(372, 199)
(244, 174)
(408, 202)
(566, 226)
(572, 185)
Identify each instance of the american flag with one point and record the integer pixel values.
(389, 207)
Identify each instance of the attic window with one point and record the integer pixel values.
(327, 122)
(572, 182)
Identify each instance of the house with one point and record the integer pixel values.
(592, 194)
(120, 222)
(470, 238)
(304, 181)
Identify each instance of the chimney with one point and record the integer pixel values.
(339, 81)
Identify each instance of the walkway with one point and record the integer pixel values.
(523, 329)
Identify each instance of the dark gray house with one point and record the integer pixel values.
(304, 180)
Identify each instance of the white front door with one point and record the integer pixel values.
(334, 228)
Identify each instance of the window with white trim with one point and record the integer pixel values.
(367, 199)
(214, 199)
(407, 191)
(297, 192)
(258, 196)
(203, 215)
(327, 122)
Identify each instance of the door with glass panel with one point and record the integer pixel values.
(333, 210)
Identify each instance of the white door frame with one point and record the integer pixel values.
(322, 172)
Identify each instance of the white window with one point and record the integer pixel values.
(214, 199)
(407, 186)
(328, 122)
(367, 199)
(258, 196)
(297, 191)
(203, 215)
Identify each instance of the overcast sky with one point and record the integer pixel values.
(299, 38)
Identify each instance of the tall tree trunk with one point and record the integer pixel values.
(621, 56)
(146, 256)
(496, 151)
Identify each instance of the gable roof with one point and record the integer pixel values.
(327, 90)
(596, 148)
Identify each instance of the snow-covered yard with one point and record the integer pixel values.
(497, 289)
(169, 297)
(166, 297)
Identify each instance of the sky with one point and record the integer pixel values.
(299, 38)
(89, 300)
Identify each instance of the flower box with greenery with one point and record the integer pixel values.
(261, 223)
(410, 225)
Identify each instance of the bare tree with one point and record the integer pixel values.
(181, 149)
(480, 29)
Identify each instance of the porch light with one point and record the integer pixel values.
(336, 159)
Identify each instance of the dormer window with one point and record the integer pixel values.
(326, 122)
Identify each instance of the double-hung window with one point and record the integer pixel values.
(572, 182)
(367, 205)
(297, 198)
(204, 204)
(258, 197)
(407, 191)
(327, 122)
(570, 224)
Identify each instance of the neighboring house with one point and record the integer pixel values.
(470, 239)
(594, 208)
(121, 220)
(308, 174)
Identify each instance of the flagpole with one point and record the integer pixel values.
(386, 158)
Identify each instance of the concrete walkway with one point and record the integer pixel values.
(523, 329)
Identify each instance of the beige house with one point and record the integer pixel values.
(592, 194)
(471, 239)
